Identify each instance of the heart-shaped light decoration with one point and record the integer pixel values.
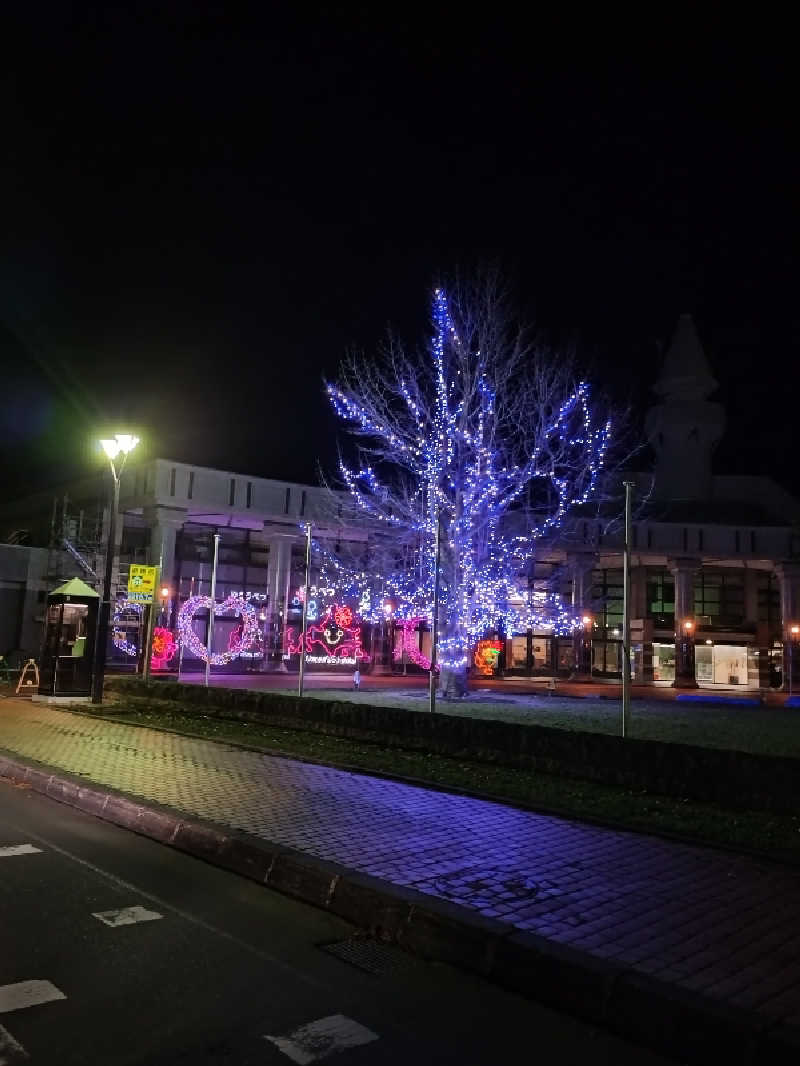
(125, 607)
(232, 605)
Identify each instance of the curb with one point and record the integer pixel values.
(646, 1010)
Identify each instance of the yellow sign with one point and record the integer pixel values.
(142, 583)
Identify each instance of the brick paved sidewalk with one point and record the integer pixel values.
(708, 921)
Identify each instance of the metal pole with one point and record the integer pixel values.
(626, 610)
(151, 614)
(104, 618)
(180, 652)
(302, 677)
(435, 626)
(791, 664)
(211, 608)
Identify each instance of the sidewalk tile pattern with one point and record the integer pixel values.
(710, 921)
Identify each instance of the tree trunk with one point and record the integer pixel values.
(454, 682)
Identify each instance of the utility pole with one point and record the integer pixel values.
(435, 628)
(626, 612)
(211, 607)
(302, 677)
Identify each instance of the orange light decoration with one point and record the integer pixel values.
(487, 652)
(163, 648)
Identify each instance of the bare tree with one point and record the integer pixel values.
(487, 433)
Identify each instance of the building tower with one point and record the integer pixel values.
(685, 427)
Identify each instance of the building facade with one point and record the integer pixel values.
(715, 578)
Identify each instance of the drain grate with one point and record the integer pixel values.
(381, 960)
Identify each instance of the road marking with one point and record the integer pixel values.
(322, 1038)
(126, 916)
(10, 1049)
(265, 956)
(27, 994)
(18, 849)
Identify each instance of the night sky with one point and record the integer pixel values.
(203, 210)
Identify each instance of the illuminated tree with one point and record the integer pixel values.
(486, 432)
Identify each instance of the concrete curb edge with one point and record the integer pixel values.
(646, 1010)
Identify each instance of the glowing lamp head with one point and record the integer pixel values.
(111, 448)
(794, 630)
(587, 621)
(164, 592)
(688, 625)
(122, 443)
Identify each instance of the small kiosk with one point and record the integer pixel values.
(67, 660)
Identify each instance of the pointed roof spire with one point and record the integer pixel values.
(685, 374)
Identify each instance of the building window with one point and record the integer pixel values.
(661, 597)
(190, 489)
(288, 500)
(172, 481)
(719, 597)
(769, 598)
(249, 493)
(607, 597)
(303, 502)
(232, 493)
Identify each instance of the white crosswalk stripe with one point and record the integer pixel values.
(126, 916)
(322, 1038)
(11, 1050)
(9, 850)
(27, 994)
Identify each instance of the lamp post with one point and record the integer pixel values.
(164, 598)
(626, 614)
(302, 675)
(686, 653)
(794, 632)
(122, 445)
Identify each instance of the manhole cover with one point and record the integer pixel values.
(371, 956)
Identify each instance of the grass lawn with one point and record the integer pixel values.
(765, 730)
(777, 835)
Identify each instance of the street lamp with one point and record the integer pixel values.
(164, 598)
(794, 631)
(122, 444)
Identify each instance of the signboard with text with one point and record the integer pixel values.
(142, 583)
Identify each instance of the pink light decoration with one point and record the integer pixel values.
(329, 637)
(232, 605)
(410, 645)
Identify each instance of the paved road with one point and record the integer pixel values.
(707, 920)
(115, 950)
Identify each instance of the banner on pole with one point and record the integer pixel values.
(142, 583)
